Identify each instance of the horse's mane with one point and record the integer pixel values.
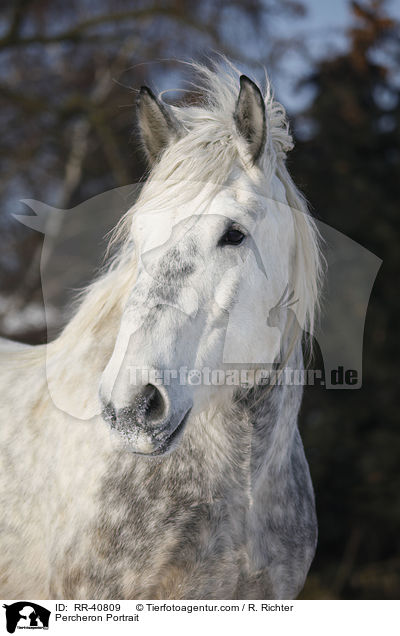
(203, 159)
(206, 153)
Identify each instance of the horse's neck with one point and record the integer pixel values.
(281, 523)
(273, 410)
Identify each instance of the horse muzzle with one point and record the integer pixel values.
(153, 424)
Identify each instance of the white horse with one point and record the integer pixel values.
(117, 487)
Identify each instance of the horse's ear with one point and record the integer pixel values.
(157, 125)
(250, 118)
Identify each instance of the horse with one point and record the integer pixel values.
(119, 487)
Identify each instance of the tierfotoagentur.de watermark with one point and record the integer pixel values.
(243, 378)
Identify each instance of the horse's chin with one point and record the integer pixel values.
(171, 442)
(147, 443)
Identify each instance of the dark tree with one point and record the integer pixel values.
(347, 161)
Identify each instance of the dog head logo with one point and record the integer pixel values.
(26, 615)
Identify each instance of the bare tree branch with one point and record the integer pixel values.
(78, 32)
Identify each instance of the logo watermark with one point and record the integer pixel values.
(349, 277)
(26, 615)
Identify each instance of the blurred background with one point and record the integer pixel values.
(69, 74)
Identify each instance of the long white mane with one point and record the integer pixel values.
(205, 156)
(200, 160)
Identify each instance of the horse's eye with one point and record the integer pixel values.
(232, 237)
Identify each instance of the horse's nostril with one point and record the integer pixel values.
(152, 403)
